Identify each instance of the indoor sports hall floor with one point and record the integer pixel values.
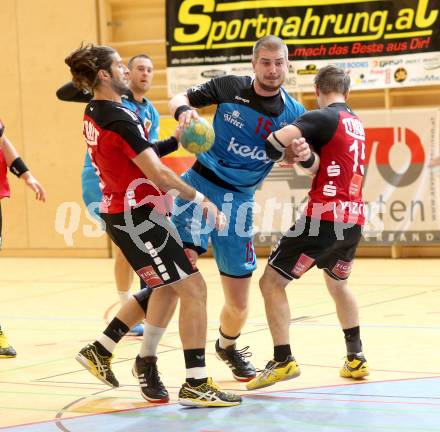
(50, 308)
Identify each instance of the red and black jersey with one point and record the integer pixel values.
(338, 136)
(4, 185)
(114, 136)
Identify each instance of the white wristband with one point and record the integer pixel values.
(198, 198)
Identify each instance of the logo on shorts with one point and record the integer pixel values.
(149, 276)
(302, 265)
(342, 269)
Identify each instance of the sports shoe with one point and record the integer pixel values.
(206, 395)
(242, 369)
(6, 351)
(137, 330)
(355, 366)
(98, 365)
(275, 372)
(152, 388)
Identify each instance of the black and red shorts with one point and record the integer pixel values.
(151, 245)
(330, 246)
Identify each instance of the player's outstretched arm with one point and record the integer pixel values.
(18, 167)
(165, 179)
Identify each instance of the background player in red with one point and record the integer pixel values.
(330, 229)
(9, 158)
(133, 181)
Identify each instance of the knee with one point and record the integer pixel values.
(268, 285)
(193, 289)
(238, 307)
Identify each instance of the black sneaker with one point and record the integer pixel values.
(242, 369)
(152, 388)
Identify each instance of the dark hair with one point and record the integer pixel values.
(331, 79)
(85, 63)
(130, 62)
(272, 43)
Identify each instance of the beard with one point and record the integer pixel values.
(119, 86)
(269, 88)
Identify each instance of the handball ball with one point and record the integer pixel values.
(198, 137)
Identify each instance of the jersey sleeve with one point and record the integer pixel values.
(69, 93)
(317, 127)
(132, 135)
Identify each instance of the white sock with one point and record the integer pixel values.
(124, 296)
(107, 343)
(225, 342)
(196, 373)
(150, 340)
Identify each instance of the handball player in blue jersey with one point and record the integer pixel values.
(248, 110)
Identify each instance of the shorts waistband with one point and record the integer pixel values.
(210, 175)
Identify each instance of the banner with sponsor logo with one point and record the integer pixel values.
(401, 193)
(384, 43)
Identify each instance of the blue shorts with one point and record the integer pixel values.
(233, 247)
(91, 192)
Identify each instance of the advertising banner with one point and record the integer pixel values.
(383, 43)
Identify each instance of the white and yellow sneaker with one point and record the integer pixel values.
(275, 372)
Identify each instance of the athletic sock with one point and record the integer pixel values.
(150, 340)
(353, 340)
(195, 366)
(281, 352)
(114, 332)
(225, 341)
(124, 297)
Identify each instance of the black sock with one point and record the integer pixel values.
(116, 330)
(353, 340)
(195, 382)
(281, 352)
(195, 358)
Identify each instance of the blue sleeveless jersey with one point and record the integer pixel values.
(242, 122)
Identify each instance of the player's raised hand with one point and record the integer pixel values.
(186, 116)
(32, 182)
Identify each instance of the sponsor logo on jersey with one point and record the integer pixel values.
(247, 151)
(240, 99)
(149, 276)
(91, 133)
(234, 118)
(354, 128)
(107, 200)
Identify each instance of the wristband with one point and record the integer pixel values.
(18, 167)
(198, 198)
(309, 162)
(180, 110)
(166, 146)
